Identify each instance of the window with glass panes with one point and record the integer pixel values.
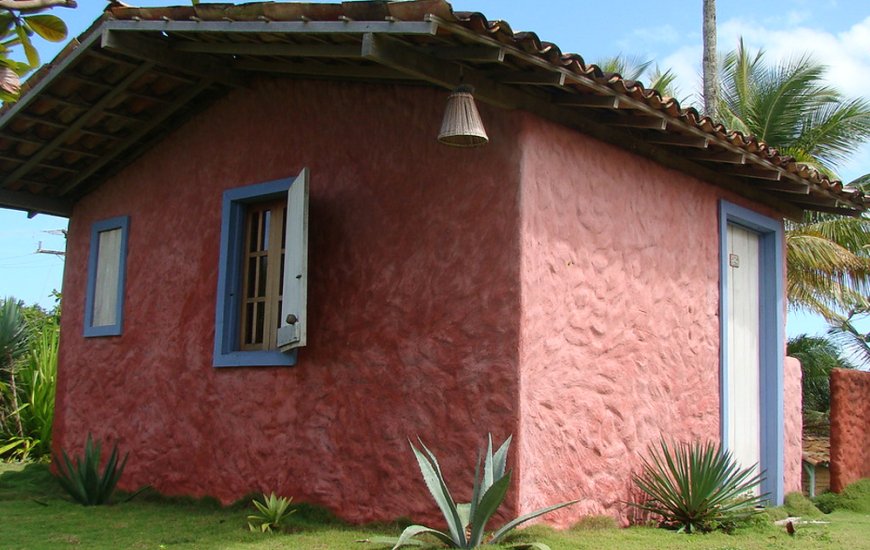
(262, 275)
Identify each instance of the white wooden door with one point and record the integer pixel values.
(743, 410)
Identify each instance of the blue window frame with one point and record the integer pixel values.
(228, 311)
(771, 339)
(107, 265)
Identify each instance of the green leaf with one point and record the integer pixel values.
(49, 27)
(413, 530)
(438, 488)
(489, 503)
(499, 461)
(511, 525)
(29, 51)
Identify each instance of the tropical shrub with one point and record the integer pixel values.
(827, 502)
(84, 481)
(796, 504)
(696, 487)
(270, 513)
(13, 346)
(466, 523)
(36, 381)
(855, 497)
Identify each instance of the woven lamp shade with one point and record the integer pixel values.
(462, 126)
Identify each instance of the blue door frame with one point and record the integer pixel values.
(771, 339)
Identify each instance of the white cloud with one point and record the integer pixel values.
(846, 54)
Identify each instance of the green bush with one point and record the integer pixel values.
(697, 487)
(827, 502)
(270, 513)
(796, 504)
(855, 497)
(466, 523)
(27, 383)
(775, 513)
(83, 480)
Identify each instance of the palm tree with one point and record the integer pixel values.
(710, 63)
(635, 68)
(851, 339)
(818, 357)
(789, 107)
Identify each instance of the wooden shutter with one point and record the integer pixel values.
(292, 333)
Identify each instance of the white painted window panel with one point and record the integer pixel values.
(295, 291)
(744, 412)
(107, 278)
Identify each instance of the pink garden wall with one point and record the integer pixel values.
(850, 427)
(794, 424)
(413, 301)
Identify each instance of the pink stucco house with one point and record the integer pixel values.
(276, 275)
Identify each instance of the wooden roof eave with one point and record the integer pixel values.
(759, 168)
(389, 50)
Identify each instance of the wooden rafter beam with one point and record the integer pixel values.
(532, 78)
(638, 121)
(785, 186)
(278, 27)
(320, 70)
(272, 50)
(590, 101)
(413, 63)
(158, 53)
(809, 199)
(756, 172)
(35, 203)
(716, 156)
(679, 140)
(471, 54)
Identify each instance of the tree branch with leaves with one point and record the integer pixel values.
(19, 21)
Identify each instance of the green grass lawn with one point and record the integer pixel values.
(35, 514)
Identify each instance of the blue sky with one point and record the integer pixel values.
(834, 32)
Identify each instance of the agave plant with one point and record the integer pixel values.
(272, 512)
(466, 523)
(697, 487)
(83, 480)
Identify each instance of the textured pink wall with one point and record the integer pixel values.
(424, 262)
(794, 424)
(850, 427)
(413, 301)
(619, 338)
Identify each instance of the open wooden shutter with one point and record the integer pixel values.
(292, 333)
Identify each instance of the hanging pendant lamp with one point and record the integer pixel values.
(462, 126)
